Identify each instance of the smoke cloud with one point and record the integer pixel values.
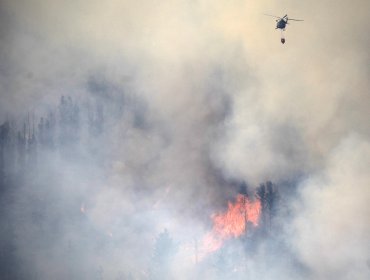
(173, 106)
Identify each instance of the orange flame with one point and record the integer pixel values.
(232, 223)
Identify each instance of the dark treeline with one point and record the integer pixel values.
(60, 129)
(30, 151)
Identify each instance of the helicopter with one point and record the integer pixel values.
(281, 23)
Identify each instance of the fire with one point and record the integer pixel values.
(233, 223)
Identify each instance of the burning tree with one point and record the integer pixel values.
(243, 215)
(240, 215)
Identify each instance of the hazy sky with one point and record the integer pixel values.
(232, 99)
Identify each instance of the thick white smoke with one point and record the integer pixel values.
(196, 94)
(332, 214)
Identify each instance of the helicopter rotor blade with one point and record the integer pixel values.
(296, 19)
(286, 16)
(272, 16)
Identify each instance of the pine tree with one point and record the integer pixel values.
(4, 138)
(268, 195)
(69, 124)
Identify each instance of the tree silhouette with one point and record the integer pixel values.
(268, 195)
(69, 122)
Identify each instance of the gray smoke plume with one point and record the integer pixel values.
(167, 109)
